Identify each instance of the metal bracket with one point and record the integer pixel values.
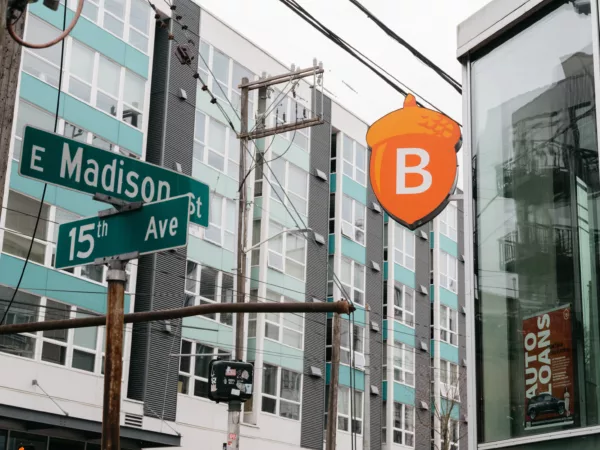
(120, 209)
(121, 257)
(456, 197)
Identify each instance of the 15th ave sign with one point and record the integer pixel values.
(151, 228)
(71, 164)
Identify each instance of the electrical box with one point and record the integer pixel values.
(230, 381)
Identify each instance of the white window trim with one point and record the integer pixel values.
(348, 347)
(402, 309)
(351, 288)
(446, 326)
(285, 186)
(404, 349)
(450, 284)
(448, 222)
(224, 153)
(222, 226)
(278, 397)
(343, 390)
(355, 205)
(67, 75)
(283, 255)
(451, 388)
(198, 298)
(355, 168)
(403, 429)
(281, 325)
(401, 256)
(191, 376)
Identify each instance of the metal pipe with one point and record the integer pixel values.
(340, 307)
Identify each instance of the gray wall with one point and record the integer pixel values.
(374, 297)
(161, 277)
(422, 334)
(313, 390)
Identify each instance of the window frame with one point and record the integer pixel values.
(191, 375)
(348, 348)
(449, 222)
(353, 162)
(401, 255)
(405, 372)
(280, 324)
(285, 186)
(352, 289)
(278, 398)
(227, 236)
(401, 317)
(283, 255)
(355, 229)
(445, 279)
(345, 391)
(225, 319)
(447, 327)
(403, 430)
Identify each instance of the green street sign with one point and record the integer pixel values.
(154, 227)
(67, 163)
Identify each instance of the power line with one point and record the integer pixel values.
(445, 76)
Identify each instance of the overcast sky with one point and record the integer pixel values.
(428, 25)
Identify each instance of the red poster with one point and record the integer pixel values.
(549, 383)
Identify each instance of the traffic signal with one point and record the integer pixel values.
(26, 447)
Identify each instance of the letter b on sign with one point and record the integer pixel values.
(402, 169)
(413, 162)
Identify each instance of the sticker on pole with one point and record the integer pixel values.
(413, 162)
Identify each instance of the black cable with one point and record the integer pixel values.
(37, 220)
(451, 81)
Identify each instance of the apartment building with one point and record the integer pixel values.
(315, 178)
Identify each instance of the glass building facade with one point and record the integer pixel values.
(530, 69)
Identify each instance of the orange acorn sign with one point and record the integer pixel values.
(413, 162)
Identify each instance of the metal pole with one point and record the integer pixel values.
(113, 363)
(437, 412)
(334, 383)
(367, 409)
(241, 255)
(233, 425)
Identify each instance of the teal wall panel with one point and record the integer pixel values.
(209, 254)
(345, 373)
(354, 190)
(251, 350)
(57, 285)
(208, 332)
(385, 270)
(332, 182)
(258, 202)
(404, 394)
(384, 332)
(293, 153)
(359, 316)
(448, 298)
(431, 239)
(286, 285)
(283, 356)
(80, 113)
(432, 292)
(404, 276)
(448, 245)
(449, 352)
(404, 334)
(331, 244)
(353, 250)
(95, 37)
(447, 406)
(254, 277)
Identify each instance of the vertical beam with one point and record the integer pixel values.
(113, 363)
(334, 381)
(437, 404)
(367, 393)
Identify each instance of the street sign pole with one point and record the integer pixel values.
(113, 362)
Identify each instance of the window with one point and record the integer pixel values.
(353, 280)
(133, 99)
(404, 364)
(79, 134)
(404, 251)
(205, 285)
(108, 86)
(193, 370)
(353, 219)
(239, 72)
(42, 63)
(299, 113)
(355, 160)
(289, 178)
(350, 342)
(448, 272)
(448, 325)
(404, 305)
(30, 115)
(449, 372)
(453, 434)
(345, 409)
(281, 394)
(287, 251)
(285, 328)
(139, 25)
(81, 71)
(403, 425)
(25, 309)
(222, 222)
(216, 145)
(448, 222)
(21, 214)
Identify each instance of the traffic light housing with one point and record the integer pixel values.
(26, 447)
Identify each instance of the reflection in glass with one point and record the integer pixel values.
(536, 185)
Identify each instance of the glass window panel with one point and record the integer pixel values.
(535, 173)
(30, 115)
(41, 69)
(56, 311)
(138, 40)
(90, 11)
(221, 67)
(117, 7)
(134, 91)
(113, 25)
(208, 283)
(270, 380)
(85, 337)
(290, 385)
(139, 15)
(204, 56)
(184, 362)
(216, 136)
(82, 62)
(269, 405)
(40, 31)
(106, 104)
(203, 357)
(54, 353)
(83, 360)
(109, 75)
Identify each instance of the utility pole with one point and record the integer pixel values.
(367, 410)
(336, 340)
(113, 362)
